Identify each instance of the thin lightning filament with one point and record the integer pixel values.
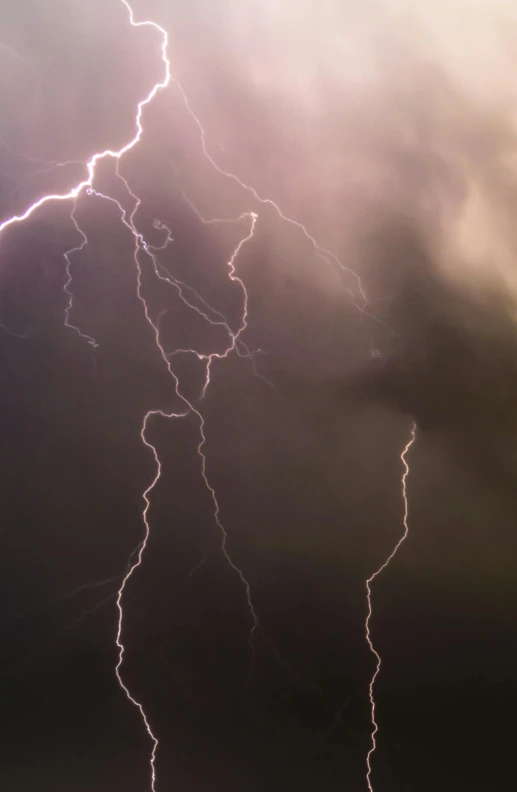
(369, 582)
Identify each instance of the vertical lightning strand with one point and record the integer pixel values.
(68, 282)
(370, 580)
(232, 274)
(132, 568)
(140, 244)
(163, 275)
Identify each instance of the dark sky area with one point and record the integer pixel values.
(303, 442)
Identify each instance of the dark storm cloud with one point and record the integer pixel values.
(383, 119)
(405, 165)
(452, 360)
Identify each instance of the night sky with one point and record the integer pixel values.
(390, 132)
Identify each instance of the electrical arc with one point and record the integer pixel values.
(403, 458)
(195, 302)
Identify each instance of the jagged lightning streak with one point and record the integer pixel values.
(221, 321)
(321, 252)
(140, 245)
(359, 299)
(166, 277)
(73, 194)
(68, 282)
(13, 333)
(133, 566)
(68, 595)
(49, 164)
(98, 156)
(370, 580)
(237, 344)
(232, 274)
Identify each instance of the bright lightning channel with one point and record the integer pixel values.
(132, 568)
(140, 244)
(235, 344)
(369, 582)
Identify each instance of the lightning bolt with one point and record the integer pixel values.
(194, 301)
(13, 333)
(68, 281)
(403, 458)
(359, 297)
(132, 567)
(49, 164)
(140, 245)
(326, 255)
